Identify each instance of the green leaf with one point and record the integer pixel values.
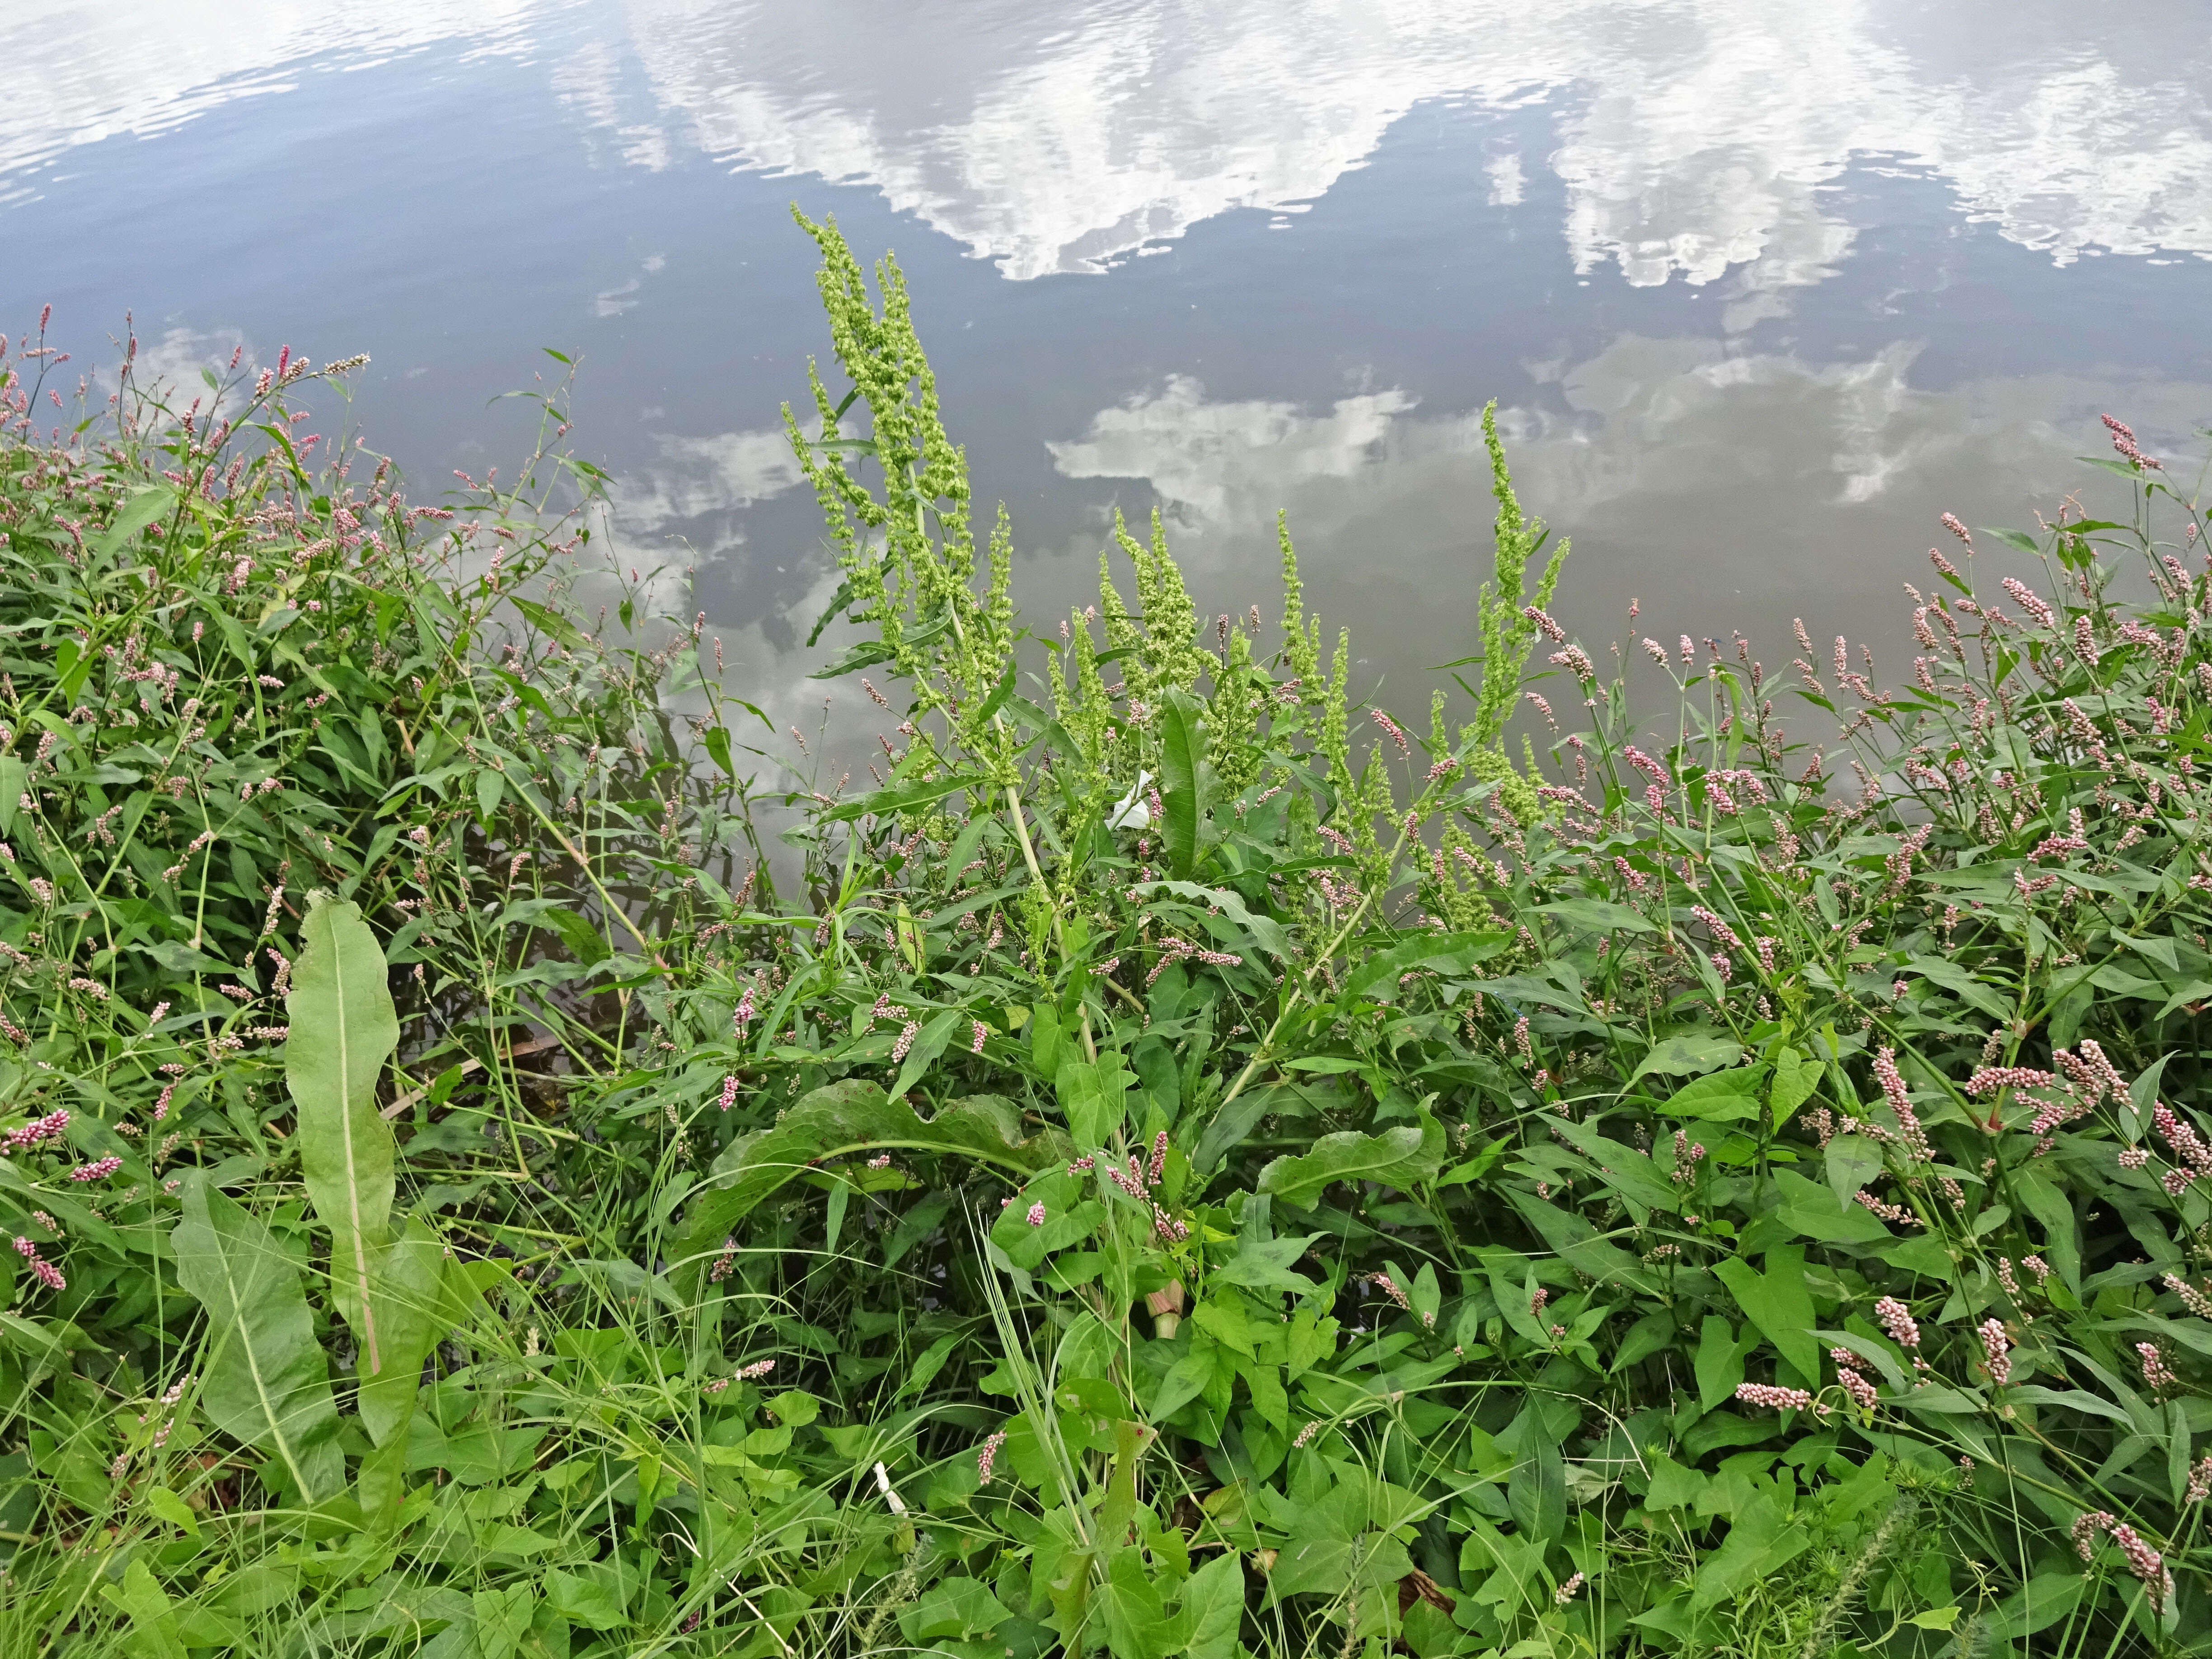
(552, 623)
(1347, 1156)
(717, 740)
(407, 1288)
(582, 1601)
(1128, 1604)
(1971, 986)
(1795, 1079)
(926, 1048)
(1850, 1161)
(133, 516)
(1627, 1171)
(1443, 954)
(154, 1633)
(905, 798)
(489, 787)
(863, 655)
(1688, 1054)
(343, 1029)
(1778, 1304)
(1598, 916)
(266, 1384)
(1266, 932)
(1264, 1265)
(1536, 1492)
(956, 1607)
(14, 775)
(835, 1121)
(1211, 1609)
(1181, 746)
(585, 942)
(1719, 1361)
(1722, 1098)
(1094, 1099)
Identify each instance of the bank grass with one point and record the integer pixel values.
(500, 1161)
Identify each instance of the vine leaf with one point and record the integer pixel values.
(344, 1026)
(267, 1385)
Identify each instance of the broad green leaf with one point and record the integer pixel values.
(863, 655)
(1719, 1361)
(1795, 1078)
(837, 1121)
(1347, 1156)
(1128, 1605)
(1688, 1054)
(407, 1287)
(1211, 1609)
(955, 1607)
(1598, 916)
(1761, 1541)
(1264, 1265)
(584, 1601)
(1094, 1099)
(154, 1633)
(1266, 932)
(1443, 954)
(1182, 747)
(1778, 1304)
(489, 786)
(134, 515)
(1536, 1492)
(1627, 1171)
(265, 1383)
(1850, 1161)
(343, 1029)
(2050, 1206)
(1724, 1098)
(1186, 1380)
(1972, 985)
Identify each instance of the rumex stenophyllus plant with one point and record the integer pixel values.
(1202, 1164)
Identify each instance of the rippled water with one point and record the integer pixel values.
(1759, 288)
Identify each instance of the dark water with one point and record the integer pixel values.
(1761, 289)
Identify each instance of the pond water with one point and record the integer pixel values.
(1760, 289)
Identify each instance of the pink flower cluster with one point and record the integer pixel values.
(2144, 1562)
(988, 1456)
(1781, 1400)
(43, 1271)
(99, 1169)
(35, 1133)
(1996, 1351)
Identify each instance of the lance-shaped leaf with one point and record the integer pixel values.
(1182, 781)
(412, 1308)
(266, 1383)
(344, 1026)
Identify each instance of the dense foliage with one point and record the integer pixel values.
(1186, 1161)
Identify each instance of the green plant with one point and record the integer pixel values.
(1177, 1176)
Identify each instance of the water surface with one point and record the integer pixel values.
(1759, 289)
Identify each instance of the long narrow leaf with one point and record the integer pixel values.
(344, 1026)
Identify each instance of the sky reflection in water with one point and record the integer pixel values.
(1761, 289)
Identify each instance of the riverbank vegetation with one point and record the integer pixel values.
(1181, 1162)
